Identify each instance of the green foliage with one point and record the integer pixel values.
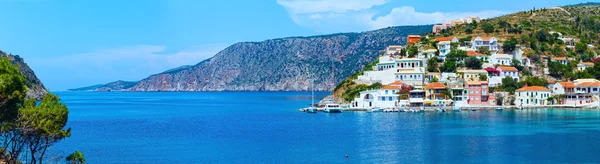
(448, 66)
(43, 124)
(483, 77)
(465, 39)
(484, 50)
(580, 47)
(509, 45)
(533, 81)
(12, 91)
(413, 51)
(488, 28)
(76, 158)
(376, 85)
(435, 79)
(473, 63)
(432, 65)
(542, 35)
(509, 85)
(469, 30)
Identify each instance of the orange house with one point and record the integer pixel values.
(411, 39)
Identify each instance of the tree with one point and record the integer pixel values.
(509, 84)
(403, 52)
(43, 125)
(469, 30)
(448, 66)
(483, 77)
(434, 79)
(12, 94)
(580, 47)
(488, 28)
(413, 51)
(556, 69)
(473, 63)
(534, 81)
(376, 85)
(510, 45)
(76, 158)
(542, 35)
(432, 65)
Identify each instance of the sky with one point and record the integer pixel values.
(75, 43)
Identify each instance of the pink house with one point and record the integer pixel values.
(478, 93)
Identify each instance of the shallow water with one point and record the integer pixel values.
(265, 127)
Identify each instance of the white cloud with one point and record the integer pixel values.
(329, 16)
(125, 63)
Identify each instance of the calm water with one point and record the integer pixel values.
(266, 128)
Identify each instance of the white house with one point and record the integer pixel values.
(532, 96)
(384, 98)
(501, 59)
(584, 65)
(444, 48)
(391, 50)
(386, 62)
(413, 77)
(561, 60)
(502, 72)
(475, 54)
(489, 42)
(427, 54)
(409, 63)
(588, 87)
(562, 88)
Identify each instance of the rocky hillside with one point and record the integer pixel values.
(281, 64)
(114, 86)
(35, 87)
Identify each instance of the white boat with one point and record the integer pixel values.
(375, 110)
(457, 109)
(332, 108)
(499, 109)
(311, 109)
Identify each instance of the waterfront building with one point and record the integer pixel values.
(459, 92)
(478, 93)
(532, 96)
(589, 87)
(489, 42)
(563, 88)
(500, 73)
(386, 97)
(416, 98)
(435, 94)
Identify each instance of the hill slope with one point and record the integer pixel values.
(281, 64)
(35, 87)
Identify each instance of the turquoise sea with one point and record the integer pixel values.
(266, 127)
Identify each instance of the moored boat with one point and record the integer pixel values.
(332, 108)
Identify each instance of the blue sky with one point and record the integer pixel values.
(74, 43)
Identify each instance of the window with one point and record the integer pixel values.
(471, 91)
(595, 89)
(382, 98)
(483, 92)
(393, 91)
(390, 99)
(386, 92)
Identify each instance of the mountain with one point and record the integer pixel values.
(35, 88)
(114, 86)
(281, 64)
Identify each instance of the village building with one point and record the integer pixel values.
(444, 48)
(532, 96)
(392, 50)
(413, 77)
(584, 65)
(470, 75)
(459, 92)
(478, 93)
(563, 88)
(475, 54)
(435, 95)
(412, 39)
(386, 97)
(489, 42)
(501, 59)
(427, 54)
(561, 60)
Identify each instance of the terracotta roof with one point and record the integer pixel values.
(589, 84)
(483, 38)
(414, 36)
(504, 56)
(559, 58)
(551, 81)
(534, 88)
(567, 84)
(436, 85)
(476, 82)
(473, 53)
(444, 39)
(388, 87)
(588, 63)
(397, 82)
(505, 68)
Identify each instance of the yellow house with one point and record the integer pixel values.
(435, 94)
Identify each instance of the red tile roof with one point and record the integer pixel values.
(559, 58)
(505, 68)
(567, 84)
(589, 84)
(534, 88)
(473, 54)
(551, 81)
(389, 87)
(588, 63)
(483, 38)
(436, 85)
(397, 82)
(444, 39)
